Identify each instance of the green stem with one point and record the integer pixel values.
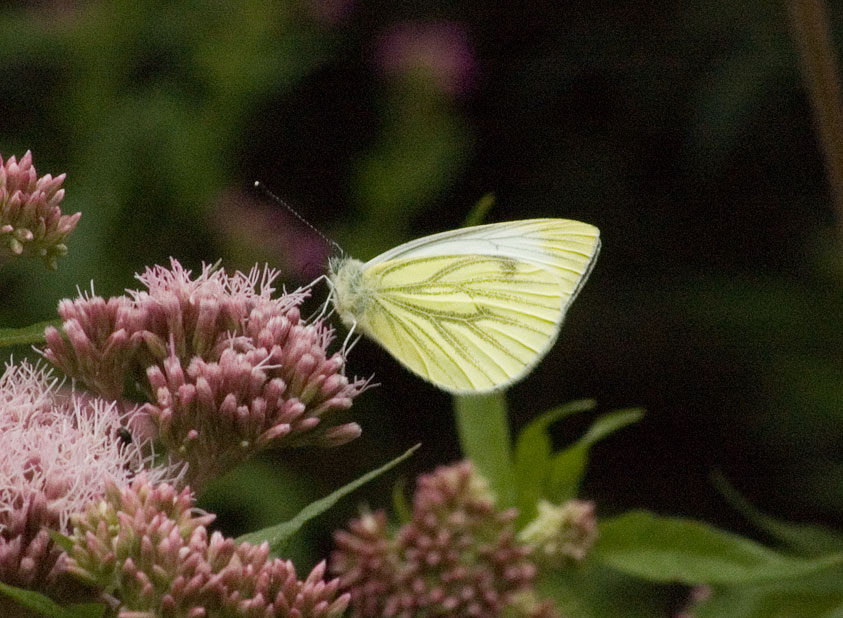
(483, 428)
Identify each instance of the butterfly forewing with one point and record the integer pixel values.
(475, 309)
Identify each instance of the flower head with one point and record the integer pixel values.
(457, 555)
(146, 543)
(227, 368)
(31, 223)
(562, 533)
(58, 452)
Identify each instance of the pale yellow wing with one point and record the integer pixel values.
(474, 310)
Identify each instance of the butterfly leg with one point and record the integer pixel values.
(348, 344)
(324, 312)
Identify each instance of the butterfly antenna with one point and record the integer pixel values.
(262, 187)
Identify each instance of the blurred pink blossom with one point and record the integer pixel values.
(438, 52)
(260, 230)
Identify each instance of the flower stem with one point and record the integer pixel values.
(483, 429)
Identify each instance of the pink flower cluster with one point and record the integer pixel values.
(58, 452)
(31, 222)
(457, 556)
(227, 369)
(145, 544)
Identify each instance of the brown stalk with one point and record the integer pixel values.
(810, 31)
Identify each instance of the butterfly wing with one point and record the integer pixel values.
(474, 310)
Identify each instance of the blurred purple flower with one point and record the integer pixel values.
(227, 369)
(59, 452)
(257, 229)
(31, 222)
(436, 52)
(457, 556)
(697, 595)
(150, 549)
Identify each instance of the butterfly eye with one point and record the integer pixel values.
(124, 435)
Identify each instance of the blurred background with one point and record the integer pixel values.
(681, 129)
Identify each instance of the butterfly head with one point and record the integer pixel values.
(349, 291)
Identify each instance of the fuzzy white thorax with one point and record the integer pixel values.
(351, 292)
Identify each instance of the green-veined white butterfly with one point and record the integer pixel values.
(470, 310)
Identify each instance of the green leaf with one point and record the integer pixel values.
(279, 535)
(399, 501)
(47, 607)
(666, 549)
(478, 212)
(567, 468)
(806, 539)
(28, 335)
(87, 610)
(592, 590)
(483, 428)
(532, 456)
(61, 540)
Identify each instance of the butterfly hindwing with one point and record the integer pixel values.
(466, 322)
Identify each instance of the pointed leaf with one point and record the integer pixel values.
(609, 423)
(666, 549)
(28, 335)
(483, 427)
(567, 468)
(279, 535)
(532, 455)
(806, 539)
(477, 214)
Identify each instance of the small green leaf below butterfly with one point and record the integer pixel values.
(556, 477)
(478, 212)
(568, 467)
(279, 535)
(533, 450)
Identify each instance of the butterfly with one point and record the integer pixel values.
(470, 310)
